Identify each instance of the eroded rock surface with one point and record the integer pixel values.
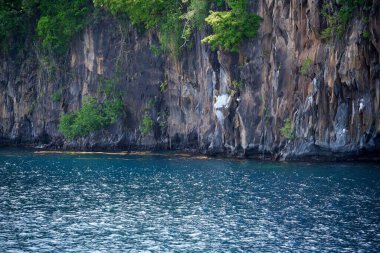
(215, 102)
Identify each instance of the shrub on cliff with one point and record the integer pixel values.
(231, 27)
(91, 117)
(56, 97)
(305, 66)
(287, 130)
(340, 13)
(165, 16)
(147, 124)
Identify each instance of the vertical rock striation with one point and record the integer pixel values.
(216, 102)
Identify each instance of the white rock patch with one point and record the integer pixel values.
(222, 102)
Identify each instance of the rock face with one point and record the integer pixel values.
(215, 102)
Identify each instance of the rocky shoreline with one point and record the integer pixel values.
(313, 153)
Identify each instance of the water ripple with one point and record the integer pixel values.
(81, 204)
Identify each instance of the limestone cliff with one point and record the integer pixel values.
(216, 102)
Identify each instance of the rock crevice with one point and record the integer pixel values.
(215, 102)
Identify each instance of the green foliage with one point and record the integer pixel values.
(55, 22)
(94, 115)
(163, 86)
(60, 20)
(287, 130)
(194, 18)
(156, 50)
(237, 84)
(111, 110)
(9, 22)
(66, 125)
(196, 13)
(162, 15)
(82, 122)
(366, 35)
(170, 33)
(147, 124)
(176, 20)
(107, 86)
(91, 117)
(148, 12)
(14, 22)
(220, 3)
(339, 14)
(327, 33)
(231, 27)
(305, 66)
(56, 97)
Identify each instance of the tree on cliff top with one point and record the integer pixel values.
(55, 22)
(232, 26)
(175, 20)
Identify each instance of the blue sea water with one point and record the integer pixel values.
(160, 203)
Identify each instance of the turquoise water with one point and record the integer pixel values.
(116, 203)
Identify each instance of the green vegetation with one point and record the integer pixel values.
(153, 14)
(194, 19)
(220, 3)
(366, 35)
(13, 23)
(197, 12)
(107, 86)
(94, 114)
(56, 97)
(9, 22)
(163, 86)
(60, 20)
(156, 50)
(91, 117)
(237, 84)
(339, 14)
(147, 124)
(55, 22)
(305, 66)
(327, 33)
(175, 20)
(287, 130)
(231, 27)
